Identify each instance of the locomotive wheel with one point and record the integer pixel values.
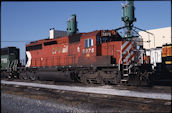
(4, 75)
(100, 80)
(74, 76)
(20, 76)
(32, 76)
(9, 76)
(16, 75)
(86, 81)
(24, 76)
(146, 79)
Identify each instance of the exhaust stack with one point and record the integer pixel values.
(72, 25)
(128, 16)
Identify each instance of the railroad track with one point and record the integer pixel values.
(155, 88)
(99, 101)
(97, 90)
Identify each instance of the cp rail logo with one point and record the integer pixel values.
(60, 49)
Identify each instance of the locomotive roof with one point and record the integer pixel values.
(94, 33)
(75, 37)
(7, 48)
(167, 44)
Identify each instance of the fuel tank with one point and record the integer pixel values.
(54, 74)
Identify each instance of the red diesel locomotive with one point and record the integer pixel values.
(93, 48)
(100, 56)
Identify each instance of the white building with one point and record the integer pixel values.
(160, 37)
(155, 55)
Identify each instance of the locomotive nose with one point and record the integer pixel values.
(28, 59)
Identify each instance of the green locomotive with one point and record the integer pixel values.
(10, 60)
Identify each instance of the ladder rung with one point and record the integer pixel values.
(126, 75)
(124, 80)
(125, 64)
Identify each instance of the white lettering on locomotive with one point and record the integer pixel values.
(60, 49)
(106, 34)
(88, 50)
(92, 50)
(65, 49)
(78, 49)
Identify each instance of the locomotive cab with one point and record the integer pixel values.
(93, 48)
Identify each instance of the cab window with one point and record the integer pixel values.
(88, 43)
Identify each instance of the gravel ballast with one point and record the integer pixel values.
(19, 104)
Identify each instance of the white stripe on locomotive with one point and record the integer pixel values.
(128, 56)
(126, 51)
(125, 43)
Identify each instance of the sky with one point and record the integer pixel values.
(23, 22)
